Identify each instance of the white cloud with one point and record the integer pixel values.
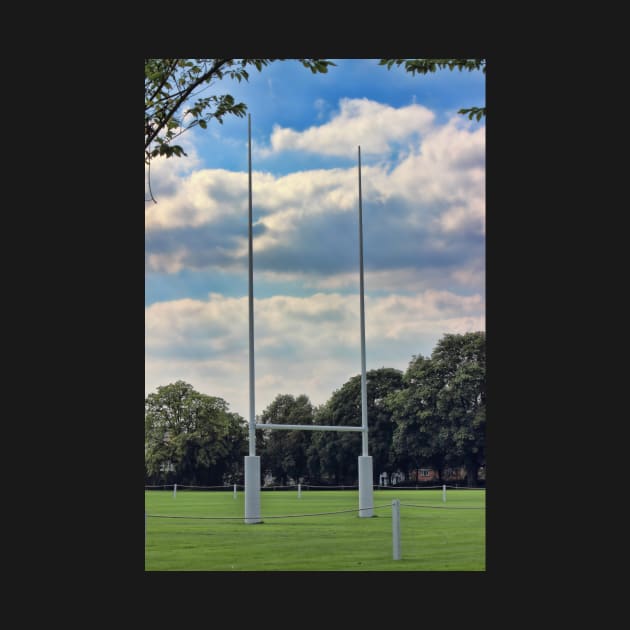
(373, 126)
(302, 345)
(447, 166)
(200, 197)
(426, 214)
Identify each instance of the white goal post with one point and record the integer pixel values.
(252, 461)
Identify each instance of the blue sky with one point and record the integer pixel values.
(423, 197)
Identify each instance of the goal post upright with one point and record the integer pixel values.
(252, 461)
(366, 503)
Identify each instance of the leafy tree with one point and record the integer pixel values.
(380, 384)
(174, 99)
(335, 453)
(424, 66)
(419, 439)
(191, 437)
(284, 452)
(332, 456)
(440, 412)
(461, 401)
(236, 446)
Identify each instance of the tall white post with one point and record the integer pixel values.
(364, 424)
(174, 491)
(299, 490)
(235, 491)
(396, 528)
(443, 493)
(252, 463)
(252, 405)
(366, 479)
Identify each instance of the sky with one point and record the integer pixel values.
(423, 203)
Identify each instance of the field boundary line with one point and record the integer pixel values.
(239, 518)
(441, 507)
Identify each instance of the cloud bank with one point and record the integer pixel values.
(373, 126)
(423, 192)
(302, 345)
(425, 210)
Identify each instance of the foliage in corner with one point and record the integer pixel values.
(424, 66)
(173, 100)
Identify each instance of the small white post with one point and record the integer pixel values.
(396, 528)
(174, 490)
(299, 490)
(443, 493)
(235, 491)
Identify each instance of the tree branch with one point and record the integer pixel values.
(167, 74)
(218, 64)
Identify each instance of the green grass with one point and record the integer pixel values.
(433, 538)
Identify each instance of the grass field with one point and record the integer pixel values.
(435, 535)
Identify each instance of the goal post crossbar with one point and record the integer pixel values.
(308, 427)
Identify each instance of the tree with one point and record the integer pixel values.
(284, 451)
(440, 412)
(336, 452)
(419, 439)
(332, 456)
(191, 437)
(236, 447)
(173, 100)
(424, 66)
(461, 401)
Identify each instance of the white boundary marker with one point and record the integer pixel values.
(396, 528)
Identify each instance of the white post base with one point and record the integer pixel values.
(252, 489)
(366, 501)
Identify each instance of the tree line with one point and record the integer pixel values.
(432, 415)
